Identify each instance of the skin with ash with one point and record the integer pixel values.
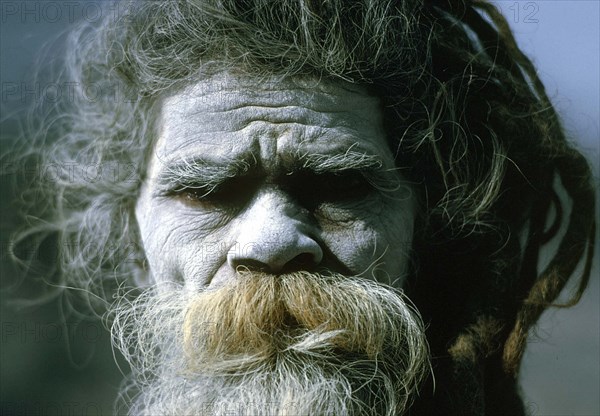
(287, 174)
(334, 208)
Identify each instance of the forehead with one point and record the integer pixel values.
(274, 119)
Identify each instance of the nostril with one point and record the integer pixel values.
(304, 261)
(251, 265)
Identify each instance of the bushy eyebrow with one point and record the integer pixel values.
(201, 172)
(208, 174)
(337, 163)
(369, 166)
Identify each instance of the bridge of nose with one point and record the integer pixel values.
(274, 233)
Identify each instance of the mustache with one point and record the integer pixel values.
(260, 316)
(306, 336)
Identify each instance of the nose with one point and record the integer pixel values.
(273, 238)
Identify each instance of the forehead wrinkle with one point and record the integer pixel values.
(230, 96)
(268, 119)
(276, 156)
(197, 118)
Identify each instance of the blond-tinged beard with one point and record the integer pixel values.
(294, 344)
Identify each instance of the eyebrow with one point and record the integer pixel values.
(338, 163)
(208, 174)
(202, 173)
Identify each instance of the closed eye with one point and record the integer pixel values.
(344, 186)
(340, 187)
(232, 194)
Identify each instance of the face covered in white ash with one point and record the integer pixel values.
(277, 231)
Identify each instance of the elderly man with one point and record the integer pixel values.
(333, 207)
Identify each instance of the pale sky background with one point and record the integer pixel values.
(561, 371)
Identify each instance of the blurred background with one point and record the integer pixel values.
(54, 363)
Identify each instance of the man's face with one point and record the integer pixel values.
(273, 175)
(282, 198)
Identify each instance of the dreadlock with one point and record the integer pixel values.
(479, 347)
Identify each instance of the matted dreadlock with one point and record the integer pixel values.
(468, 121)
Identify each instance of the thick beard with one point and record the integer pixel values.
(294, 344)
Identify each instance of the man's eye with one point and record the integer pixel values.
(344, 187)
(232, 194)
(196, 195)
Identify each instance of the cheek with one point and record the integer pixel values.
(180, 245)
(374, 242)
